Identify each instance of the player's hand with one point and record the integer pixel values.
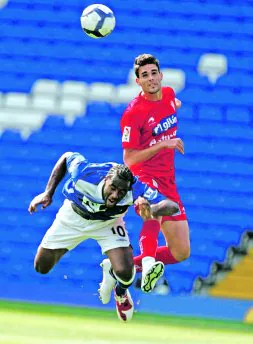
(44, 199)
(178, 103)
(176, 143)
(144, 208)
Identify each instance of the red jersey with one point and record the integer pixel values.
(143, 124)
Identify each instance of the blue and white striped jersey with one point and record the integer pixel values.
(84, 188)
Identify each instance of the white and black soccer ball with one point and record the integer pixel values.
(98, 21)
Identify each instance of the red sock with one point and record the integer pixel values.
(164, 255)
(137, 263)
(148, 241)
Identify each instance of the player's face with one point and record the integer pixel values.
(149, 79)
(115, 189)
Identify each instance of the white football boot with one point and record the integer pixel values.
(151, 272)
(108, 282)
(124, 306)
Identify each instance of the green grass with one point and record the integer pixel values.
(23, 323)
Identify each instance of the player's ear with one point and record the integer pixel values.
(137, 81)
(161, 75)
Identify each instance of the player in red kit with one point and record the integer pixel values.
(149, 129)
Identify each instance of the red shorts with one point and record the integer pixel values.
(167, 187)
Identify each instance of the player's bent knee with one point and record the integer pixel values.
(42, 267)
(182, 254)
(124, 273)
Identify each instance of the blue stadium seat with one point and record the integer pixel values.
(16, 81)
(99, 110)
(214, 181)
(197, 265)
(238, 114)
(219, 147)
(223, 234)
(236, 80)
(210, 113)
(180, 282)
(212, 250)
(210, 129)
(11, 136)
(54, 122)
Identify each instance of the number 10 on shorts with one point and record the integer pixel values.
(119, 230)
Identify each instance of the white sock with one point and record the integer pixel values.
(146, 262)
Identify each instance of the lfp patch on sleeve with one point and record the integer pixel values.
(126, 134)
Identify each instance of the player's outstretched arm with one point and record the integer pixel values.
(134, 156)
(57, 174)
(164, 208)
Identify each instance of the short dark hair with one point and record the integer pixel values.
(122, 172)
(143, 60)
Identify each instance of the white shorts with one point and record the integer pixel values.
(69, 229)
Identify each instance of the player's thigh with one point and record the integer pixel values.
(177, 236)
(47, 256)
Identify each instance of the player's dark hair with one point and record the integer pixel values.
(122, 172)
(143, 60)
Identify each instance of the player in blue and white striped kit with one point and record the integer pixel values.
(97, 198)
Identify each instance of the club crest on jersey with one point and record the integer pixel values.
(126, 134)
(150, 194)
(165, 124)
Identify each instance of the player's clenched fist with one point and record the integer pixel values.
(44, 199)
(176, 143)
(178, 103)
(144, 208)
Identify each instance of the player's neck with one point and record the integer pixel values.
(152, 96)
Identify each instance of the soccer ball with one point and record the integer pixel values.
(97, 21)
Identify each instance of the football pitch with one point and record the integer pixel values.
(23, 323)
